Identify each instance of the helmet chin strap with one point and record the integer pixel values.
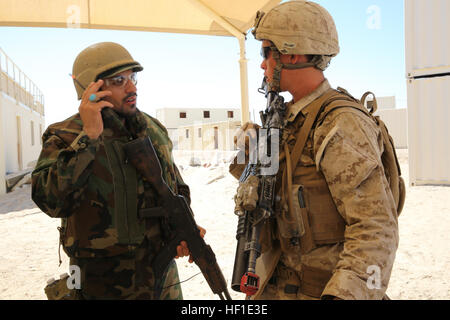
(274, 85)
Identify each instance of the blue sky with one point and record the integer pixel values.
(203, 71)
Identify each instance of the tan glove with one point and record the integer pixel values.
(246, 196)
(247, 131)
(242, 138)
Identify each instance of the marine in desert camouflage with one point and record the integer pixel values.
(336, 197)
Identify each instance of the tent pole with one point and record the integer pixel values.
(244, 82)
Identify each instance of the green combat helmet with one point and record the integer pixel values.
(104, 59)
(298, 27)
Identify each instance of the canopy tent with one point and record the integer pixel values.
(208, 17)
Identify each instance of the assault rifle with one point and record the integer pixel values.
(178, 217)
(248, 249)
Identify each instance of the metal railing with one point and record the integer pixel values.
(15, 83)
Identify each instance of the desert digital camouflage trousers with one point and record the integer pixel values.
(127, 276)
(284, 285)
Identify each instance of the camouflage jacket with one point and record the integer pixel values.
(98, 195)
(351, 217)
(345, 149)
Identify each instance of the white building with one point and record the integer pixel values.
(208, 136)
(384, 103)
(396, 120)
(173, 118)
(21, 120)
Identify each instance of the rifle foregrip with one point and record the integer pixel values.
(207, 264)
(163, 258)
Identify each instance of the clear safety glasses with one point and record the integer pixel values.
(121, 81)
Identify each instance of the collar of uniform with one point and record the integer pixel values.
(137, 124)
(114, 123)
(295, 108)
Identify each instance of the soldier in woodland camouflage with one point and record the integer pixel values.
(82, 177)
(337, 186)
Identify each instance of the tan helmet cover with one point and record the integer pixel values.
(97, 60)
(298, 27)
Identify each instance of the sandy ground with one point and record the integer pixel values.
(29, 245)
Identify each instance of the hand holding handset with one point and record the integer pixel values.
(91, 106)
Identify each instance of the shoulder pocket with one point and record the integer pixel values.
(350, 170)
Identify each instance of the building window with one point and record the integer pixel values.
(205, 114)
(230, 114)
(32, 133)
(187, 133)
(199, 132)
(182, 115)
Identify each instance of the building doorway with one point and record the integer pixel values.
(216, 137)
(19, 142)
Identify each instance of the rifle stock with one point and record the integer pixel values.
(180, 220)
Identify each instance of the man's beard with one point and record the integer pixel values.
(130, 110)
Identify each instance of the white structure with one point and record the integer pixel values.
(396, 121)
(173, 118)
(21, 119)
(207, 143)
(428, 83)
(208, 136)
(383, 103)
(429, 130)
(386, 102)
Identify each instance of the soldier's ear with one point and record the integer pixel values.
(298, 58)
